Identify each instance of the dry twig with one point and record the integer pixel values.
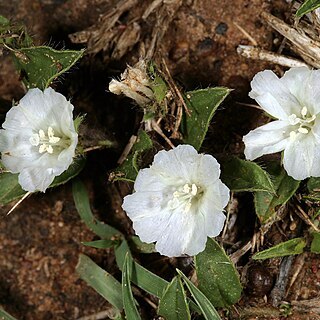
(260, 54)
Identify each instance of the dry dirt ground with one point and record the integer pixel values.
(41, 240)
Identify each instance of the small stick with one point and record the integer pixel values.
(305, 218)
(127, 149)
(249, 105)
(304, 44)
(19, 202)
(92, 148)
(260, 54)
(158, 130)
(227, 219)
(175, 88)
(298, 265)
(175, 134)
(239, 253)
(254, 42)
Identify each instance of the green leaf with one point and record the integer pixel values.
(241, 175)
(140, 246)
(74, 169)
(217, 276)
(100, 280)
(140, 276)
(315, 244)
(143, 278)
(158, 85)
(13, 35)
(10, 188)
(207, 309)
(266, 204)
(313, 185)
(128, 170)
(173, 305)
(5, 316)
(307, 6)
(159, 88)
(202, 105)
(287, 248)
(128, 300)
(40, 66)
(100, 244)
(81, 200)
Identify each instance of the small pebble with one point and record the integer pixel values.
(260, 281)
(221, 28)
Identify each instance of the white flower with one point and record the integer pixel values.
(178, 201)
(295, 101)
(135, 84)
(38, 139)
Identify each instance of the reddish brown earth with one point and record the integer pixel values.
(41, 240)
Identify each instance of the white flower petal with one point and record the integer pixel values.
(269, 138)
(315, 169)
(273, 96)
(299, 157)
(184, 235)
(38, 178)
(148, 179)
(205, 176)
(141, 204)
(39, 138)
(173, 199)
(302, 82)
(180, 162)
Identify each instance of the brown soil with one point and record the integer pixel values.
(41, 240)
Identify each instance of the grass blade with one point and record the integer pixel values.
(173, 305)
(100, 280)
(207, 309)
(129, 305)
(81, 201)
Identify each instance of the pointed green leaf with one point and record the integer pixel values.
(10, 188)
(100, 244)
(207, 309)
(40, 66)
(128, 170)
(217, 277)
(307, 6)
(140, 276)
(202, 105)
(287, 248)
(5, 316)
(241, 175)
(130, 308)
(143, 278)
(81, 200)
(173, 305)
(315, 244)
(266, 204)
(100, 280)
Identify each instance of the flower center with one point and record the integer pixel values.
(182, 198)
(303, 124)
(45, 142)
